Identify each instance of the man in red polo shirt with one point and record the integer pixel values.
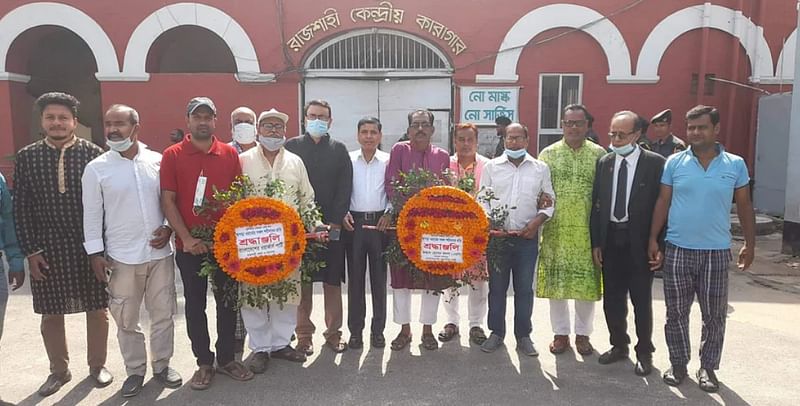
(190, 171)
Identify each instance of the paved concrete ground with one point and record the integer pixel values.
(758, 365)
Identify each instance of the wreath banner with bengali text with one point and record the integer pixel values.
(442, 230)
(260, 241)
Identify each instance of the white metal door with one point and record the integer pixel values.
(398, 97)
(389, 100)
(350, 101)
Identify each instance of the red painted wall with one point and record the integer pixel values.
(162, 101)
(481, 24)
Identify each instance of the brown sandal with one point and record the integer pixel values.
(449, 331)
(198, 379)
(236, 370)
(401, 341)
(429, 342)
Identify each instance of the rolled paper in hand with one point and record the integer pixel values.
(316, 235)
(492, 233)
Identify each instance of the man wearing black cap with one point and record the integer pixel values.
(501, 122)
(665, 142)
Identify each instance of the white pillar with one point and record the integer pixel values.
(791, 229)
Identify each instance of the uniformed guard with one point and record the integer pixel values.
(664, 141)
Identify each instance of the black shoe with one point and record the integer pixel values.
(54, 382)
(102, 377)
(378, 340)
(675, 375)
(613, 355)
(169, 377)
(707, 380)
(644, 366)
(356, 342)
(132, 386)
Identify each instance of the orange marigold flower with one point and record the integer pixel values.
(443, 211)
(264, 269)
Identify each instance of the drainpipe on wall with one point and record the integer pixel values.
(701, 75)
(791, 215)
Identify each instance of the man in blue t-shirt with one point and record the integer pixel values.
(697, 188)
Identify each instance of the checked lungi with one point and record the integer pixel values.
(690, 272)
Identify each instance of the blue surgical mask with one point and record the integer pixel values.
(516, 153)
(121, 145)
(317, 128)
(271, 143)
(623, 150)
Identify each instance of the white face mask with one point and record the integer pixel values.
(271, 143)
(121, 145)
(244, 133)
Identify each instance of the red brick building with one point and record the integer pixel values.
(465, 60)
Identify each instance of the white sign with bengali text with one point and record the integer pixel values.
(442, 248)
(260, 241)
(482, 105)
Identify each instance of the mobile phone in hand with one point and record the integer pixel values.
(335, 234)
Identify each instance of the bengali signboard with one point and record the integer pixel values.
(482, 105)
(442, 248)
(261, 240)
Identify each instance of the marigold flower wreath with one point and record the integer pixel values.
(443, 211)
(264, 269)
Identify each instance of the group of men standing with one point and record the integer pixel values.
(601, 217)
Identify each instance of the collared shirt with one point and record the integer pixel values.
(287, 167)
(404, 158)
(519, 188)
(631, 160)
(182, 165)
(475, 169)
(8, 236)
(668, 146)
(368, 177)
(699, 214)
(236, 146)
(124, 194)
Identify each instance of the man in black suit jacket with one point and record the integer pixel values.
(626, 187)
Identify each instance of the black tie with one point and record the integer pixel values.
(622, 186)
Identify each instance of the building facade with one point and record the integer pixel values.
(464, 60)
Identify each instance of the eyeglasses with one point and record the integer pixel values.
(515, 138)
(573, 123)
(272, 127)
(317, 117)
(426, 125)
(620, 135)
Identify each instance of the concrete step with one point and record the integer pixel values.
(765, 225)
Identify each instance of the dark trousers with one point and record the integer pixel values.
(627, 274)
(362, 245)
(195, 288)
(518, 264)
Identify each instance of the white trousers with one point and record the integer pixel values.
(269, 330)
(402, 306)
(477, 303)
(560, 317)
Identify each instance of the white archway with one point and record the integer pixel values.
(34, 15)
(784, 71)
(720, 18)
(175, 15)
(557, 16)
